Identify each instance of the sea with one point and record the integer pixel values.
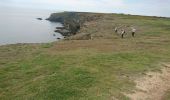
(22, 26)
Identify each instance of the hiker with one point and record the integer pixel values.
(116, 29)
(122, 33)
(133, 32)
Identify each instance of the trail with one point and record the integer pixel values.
(153, 86)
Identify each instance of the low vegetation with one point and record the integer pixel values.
(101, 68)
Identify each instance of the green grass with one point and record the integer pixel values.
(83, 70)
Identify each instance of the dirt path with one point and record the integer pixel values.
(153, 86)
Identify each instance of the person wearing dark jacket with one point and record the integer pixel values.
(123, 33)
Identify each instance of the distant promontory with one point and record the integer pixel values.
(72, 21)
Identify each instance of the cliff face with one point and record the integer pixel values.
(70, 20)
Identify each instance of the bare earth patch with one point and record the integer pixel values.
(153, 86)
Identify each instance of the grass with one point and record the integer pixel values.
(98, 69)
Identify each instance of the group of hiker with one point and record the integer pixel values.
(123, 32)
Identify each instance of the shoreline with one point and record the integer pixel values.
(102, 68)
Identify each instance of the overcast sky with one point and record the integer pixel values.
(141, 7)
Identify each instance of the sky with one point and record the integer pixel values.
(136, 7)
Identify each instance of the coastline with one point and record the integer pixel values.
(102, 68)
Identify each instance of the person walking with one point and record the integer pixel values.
(116, 29)
(133, 32)
(123, 33)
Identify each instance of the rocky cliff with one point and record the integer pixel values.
(72, 21)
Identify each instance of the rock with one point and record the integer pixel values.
(63, 16)
(58, 38)
(39, 18)
(60, 27)
(64, 32)
(70, 20)
(54, 34)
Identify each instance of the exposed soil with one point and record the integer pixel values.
(153, 86)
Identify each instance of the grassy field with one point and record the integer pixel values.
(97, 69)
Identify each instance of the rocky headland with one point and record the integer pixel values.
(72, 21)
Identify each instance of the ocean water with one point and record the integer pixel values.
(21, 26)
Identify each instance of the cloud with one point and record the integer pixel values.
(82, 2)
(149, 7)
(69, 5)
(81, 5)
(144, 7)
